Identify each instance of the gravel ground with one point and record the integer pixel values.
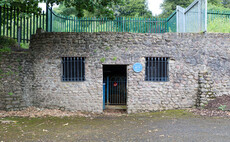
(166, 126)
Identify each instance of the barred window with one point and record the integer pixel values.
(73, 68)
(156, 69)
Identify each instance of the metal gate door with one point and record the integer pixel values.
(115, 91)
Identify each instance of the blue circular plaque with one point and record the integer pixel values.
(137, 67)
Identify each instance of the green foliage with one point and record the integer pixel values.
(10, 93)
(222, 107)
(169, 6)
(24, 45)
(30, 6)
(6, 42)
(114, 58)
(133, 8)
(78, 7)
(118, 8)
(219, 25)
(212, 7)
(102, 59)
(107, 48)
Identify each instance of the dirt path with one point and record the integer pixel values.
(176, 125)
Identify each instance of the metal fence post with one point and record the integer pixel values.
(47, 17)
(19, 35)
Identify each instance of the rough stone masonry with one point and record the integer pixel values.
(199, 67)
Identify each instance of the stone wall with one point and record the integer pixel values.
(189, 54)
(15, 80)
(205, 91)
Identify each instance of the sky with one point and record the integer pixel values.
(154, 6)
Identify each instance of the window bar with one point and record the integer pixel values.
(155, 62)
(165, 69)
(152, 69)
(82, 78)
(83, 69)
(78, 70)
(67, 69)
(71, 75)
(74, 69)
(64, 73)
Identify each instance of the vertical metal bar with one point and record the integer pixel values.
(24, 28)
(0, 20)
(158, 69)
(162, 65)
(30, 25)
(78, 70)
(7, 13)
(155, 62)
(51, 20)
(40, 21)
(71, 72)
(74, 69)
(27, 33)
(4, 19)
(20, 28)
(103, 95)
(33, 23)
(107, 90)
(10, 21)
(82, 66)
(165, 63)
(14, 32)
(43, 21)
(17, 21)
(75, 24)
(47, 11)
(64, 68)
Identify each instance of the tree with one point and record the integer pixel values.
(169, 6)
(133, 8)
(125, 8)
(104, 6)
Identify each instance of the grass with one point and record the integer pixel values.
(219, 25)
(7, 42)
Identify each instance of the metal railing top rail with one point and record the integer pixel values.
(173, 14)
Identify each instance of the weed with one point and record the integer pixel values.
(102, 59)
(222, 107)
(10, 93)
(107, 48)
(24, 45)
(114, 58)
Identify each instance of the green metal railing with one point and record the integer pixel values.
(213, 15)
(17, 25)
(60, 23)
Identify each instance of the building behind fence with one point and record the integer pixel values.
(194, 18)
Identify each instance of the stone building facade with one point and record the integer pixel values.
(198, 70)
